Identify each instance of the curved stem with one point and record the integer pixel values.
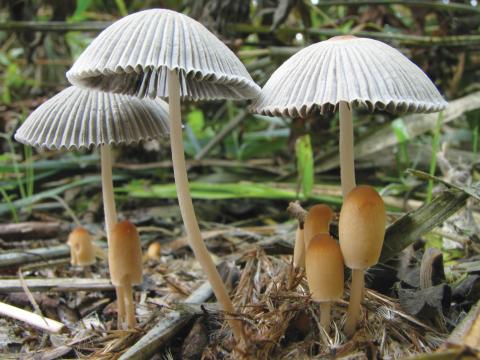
(356, 295)
(347, 165)
(186, 207)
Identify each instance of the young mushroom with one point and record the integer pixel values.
(324, 270)
(77, 119)
(343, 72)
(82, 250)
(317, 221)
(162, 53)
(125, 264)
(361, 230)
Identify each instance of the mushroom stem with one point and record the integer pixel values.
(186, 206)
(107, 189)
(347, 165)
(325, 315)
(356, 295)
(299, 249)
(110, 215)
(129, 304)
(120, 293)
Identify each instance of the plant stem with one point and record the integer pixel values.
(325, 315)
(107, 190)
(299, 250)
(433, 159)
(347, 162)
(110, 214)
(120, 293)
(356, 295)
(186, 206)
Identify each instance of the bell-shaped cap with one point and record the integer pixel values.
(81, 118)
(363, 72)
(125, 254)
(82, 250)
(324, 268)
(317, 221)
(361, 227)
(134, 54)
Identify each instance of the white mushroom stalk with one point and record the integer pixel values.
(347, 156)
(186, 205)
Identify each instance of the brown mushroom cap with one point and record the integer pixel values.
(362, 227)
(154, 250)
(82, 249)
(317, 221)
(324, 268)
(125, 254)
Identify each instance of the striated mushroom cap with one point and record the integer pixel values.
(82, 251)
(317, 221)
(133, 56)
(364, 72)
(79, 118)
(361, 227)
(324, 268)
(125, 254)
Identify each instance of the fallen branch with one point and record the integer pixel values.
(30, 318)
(30, 230)
(56, 285)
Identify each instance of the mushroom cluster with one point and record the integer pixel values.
(119, 81)
(341, 73)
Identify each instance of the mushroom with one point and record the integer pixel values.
(154, 250)
(162, 53)
(324, 270)
(343, 72)
(317, 221)
(361, 230)
(125, 263)
(82, 250)
(77, 118)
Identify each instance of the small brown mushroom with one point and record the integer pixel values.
(82, 250)
(125, 264)
(324, 270)
(154, 250)
(361, 232)
(317, 221)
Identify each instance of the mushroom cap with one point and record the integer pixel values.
(361, 227)
(134, 54)
(125, 254)
(80, 118)
(324, 268)
(154, 250)
(81, 246)
(364, 72)
(317, 221)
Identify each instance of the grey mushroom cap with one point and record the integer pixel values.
(133, 56)
(79, 118)
(363, 72)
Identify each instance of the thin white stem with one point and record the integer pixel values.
(356, 295)
(120, 293)
(347, 157)
(30, 318)
(299, 249)
(325, 315)
(107, 190)
(186, 206)
(129, 303)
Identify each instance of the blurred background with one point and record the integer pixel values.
(261, 162)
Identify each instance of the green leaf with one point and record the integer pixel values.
(304, 154)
